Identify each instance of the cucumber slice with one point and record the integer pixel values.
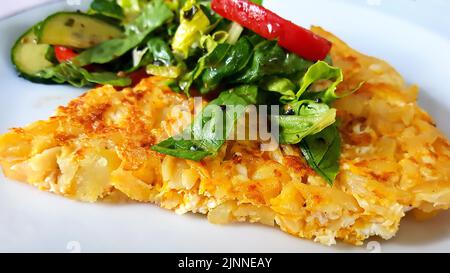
(29, 57)
(78, 30)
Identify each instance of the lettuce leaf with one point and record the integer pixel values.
(208, 43)
(131, 8)
(156, 53)
(282, 86)
(225, 61)
(160, 51)
(193, 24)
(322, 152)
(333, 76)
(108, 8)
(205, 139)
(309, 118)
(321, 71)
(68, 73)
(153, 16)
(269, 59)
(249, 61)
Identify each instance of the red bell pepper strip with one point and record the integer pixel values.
(64, 54)
(269, 25)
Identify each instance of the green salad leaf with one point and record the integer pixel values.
(328, 78)
(269, 59)
(80, 77)
(322, 71)
(108, 8)
(153, 16)
(163, 61)
(322, 152)
(226, 60)
(156, 53)
(282, 86)
(160, 51)
(310, 118)
(248, 61)
(208, 43)
(131, 8)
(193, 24)
(206, 136)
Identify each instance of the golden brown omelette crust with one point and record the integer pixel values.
(394, 159)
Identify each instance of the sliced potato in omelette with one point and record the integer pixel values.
(394, 159)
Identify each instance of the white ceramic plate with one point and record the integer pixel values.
(412, 35)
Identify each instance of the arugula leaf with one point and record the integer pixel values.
(310, 118)
(108, 8)
(153, 16)
(188, 79)
(163, 60)
(206, 136)
(179, 148)
(160, 50)
(105, 78)
(80, 77)
(193, 24)
(226, 60)
(248, 61)
(269, 59)
(322, 152)
(156, 54)
(242, 95)
(208, 43)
